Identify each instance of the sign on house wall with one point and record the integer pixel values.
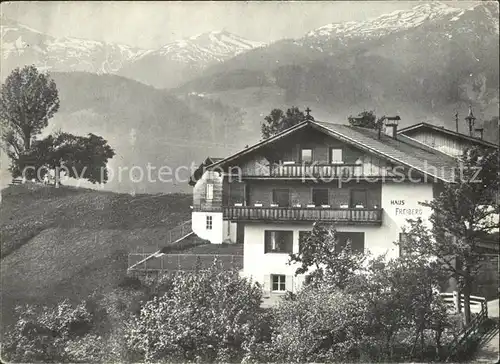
(402, 208)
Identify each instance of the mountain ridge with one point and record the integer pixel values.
(22, 44)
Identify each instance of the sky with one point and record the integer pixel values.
(152, 24)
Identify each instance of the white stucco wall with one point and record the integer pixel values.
(400, 202)
(199, 226)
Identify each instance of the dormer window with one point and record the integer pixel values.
(336, 156)
(306, 155)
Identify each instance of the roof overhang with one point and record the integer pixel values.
(327, 131)
(448, 132)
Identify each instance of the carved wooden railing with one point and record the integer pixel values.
(351, 216)
(316, 170)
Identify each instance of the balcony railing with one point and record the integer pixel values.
(326, 214)
(316, 170)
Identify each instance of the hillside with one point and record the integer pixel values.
(67, 242)
(424, 64)
(144, 125)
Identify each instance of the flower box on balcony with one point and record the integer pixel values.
(344, 206)
(238, 204)
(274, 205)
(297, 205)
(326, 206)
(310, 205)
(359, 206)
(286, 163)
(257, 204)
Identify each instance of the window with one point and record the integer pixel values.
(279, 282)
(336, 155)
(306, 155)
(210, 191)
(320, 196)
(358, 198)
(276, 241)
(357, 240)
(209, 222)
(281, 197)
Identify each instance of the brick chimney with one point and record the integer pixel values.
(391, 126)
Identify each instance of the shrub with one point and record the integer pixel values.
(41, 334)
(206, 316)
(318, 325)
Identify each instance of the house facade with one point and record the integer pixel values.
(367, 184)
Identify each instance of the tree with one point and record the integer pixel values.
(390, 311)
(277, 121)
(79, 157)
(206, 316)
(331, 260)
(365, 119)
(28, 100)
(318, 325)
(402, 299)
(463, 215)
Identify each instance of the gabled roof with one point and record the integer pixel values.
(401, 151)
(199, 171)
(443, 130)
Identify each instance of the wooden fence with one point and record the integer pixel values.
(465, 338)
(182, 262)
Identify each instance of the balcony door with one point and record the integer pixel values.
(237, 193)
(320, 196)
(359, 199)
(281, 196)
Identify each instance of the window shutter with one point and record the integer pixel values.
(289, 283)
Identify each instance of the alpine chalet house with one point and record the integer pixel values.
(365, 182)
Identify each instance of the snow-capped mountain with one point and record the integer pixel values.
(426, 62)
(178, 62)
(434, 14)
(393, 22)
(164, 67)
(23, 45)
(206, 48)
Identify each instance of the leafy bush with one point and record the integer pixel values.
(205, 316)
(318, 325)
(42, 333)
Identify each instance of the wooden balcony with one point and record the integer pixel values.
(350, 216)
(316, 170)
(313, 171)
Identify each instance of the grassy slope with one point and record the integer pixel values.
(66, 242)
